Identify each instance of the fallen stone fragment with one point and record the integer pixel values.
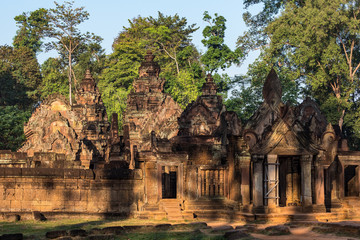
(78, 233)
(235, 234)
(15, 236)
(222, 228)
(56, 234)
(278, 230)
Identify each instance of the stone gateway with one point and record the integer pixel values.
(179, 164)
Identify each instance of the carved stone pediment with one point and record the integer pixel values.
(283, 128)
(282, 140)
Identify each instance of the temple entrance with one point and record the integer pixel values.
(351, 181)
(169, 181)
(289, 181)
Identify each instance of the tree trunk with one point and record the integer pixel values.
(341, 120)
(70, 85)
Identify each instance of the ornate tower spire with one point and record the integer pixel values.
(149, 68)
(209, 87)
(272, 91)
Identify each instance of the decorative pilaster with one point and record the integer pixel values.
(244, 165)
(305, 161)
(258, 186)
(273, 177)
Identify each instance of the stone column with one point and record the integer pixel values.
(305, 161)
(244, 162)
(272, 178)
(357, 175)
(258, 186)
(319, 185)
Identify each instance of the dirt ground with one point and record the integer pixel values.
(303, 233)
(298, 232)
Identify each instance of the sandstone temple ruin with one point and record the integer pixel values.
(198, 163)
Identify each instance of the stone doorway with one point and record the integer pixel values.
(169, 181)
(351, 181)
(289, 181)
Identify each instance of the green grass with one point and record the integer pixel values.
(37, 230)
(169, 236)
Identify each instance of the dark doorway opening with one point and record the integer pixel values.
(351, 181)
(169, 182)
(289, 181)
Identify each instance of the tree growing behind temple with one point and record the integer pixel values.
(169, 38)
(63, 28)
(218, 55)
(31, 30)
(19, 78)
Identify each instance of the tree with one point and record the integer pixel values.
(31, 30)
(63, 22)
(19, 77)
(171, 34)
(12, 121)
(323, 39)
(54, 78)
(218, 55)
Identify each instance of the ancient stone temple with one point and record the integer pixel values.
(78, 134)
(201, 162)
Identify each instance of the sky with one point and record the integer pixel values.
(108, 17)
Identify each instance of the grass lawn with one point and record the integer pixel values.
(37, 230)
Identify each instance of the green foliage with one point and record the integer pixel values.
(184, 88)
(54, 78)
(63, 28)
(19, 76)
(31, 29)
(12, 121)
(322, 38)
(218, 55)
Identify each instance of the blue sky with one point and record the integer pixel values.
(108, 17)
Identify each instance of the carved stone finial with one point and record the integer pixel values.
(149, 57)
(88, 74)
(209, 78)
(149, 68)
(209, 88)
(329, 128)
(272, 91)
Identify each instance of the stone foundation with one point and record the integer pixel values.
(70, 190)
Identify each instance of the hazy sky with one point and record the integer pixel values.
(108, 17)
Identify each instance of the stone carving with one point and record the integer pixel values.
(278, 125)
(207, 116)
(81, 131)
(149, 111)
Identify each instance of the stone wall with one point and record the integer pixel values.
(70, 191)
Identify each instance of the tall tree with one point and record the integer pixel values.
(218, 55)
(63, 23)
(31, 30)
(19, 76)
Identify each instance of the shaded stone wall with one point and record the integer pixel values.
(70, 190)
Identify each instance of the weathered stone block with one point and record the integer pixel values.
(78, 233)
(16, 205)
(56, 234)
(9, 194)
(14, 236)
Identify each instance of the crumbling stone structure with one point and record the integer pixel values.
(200, 162)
